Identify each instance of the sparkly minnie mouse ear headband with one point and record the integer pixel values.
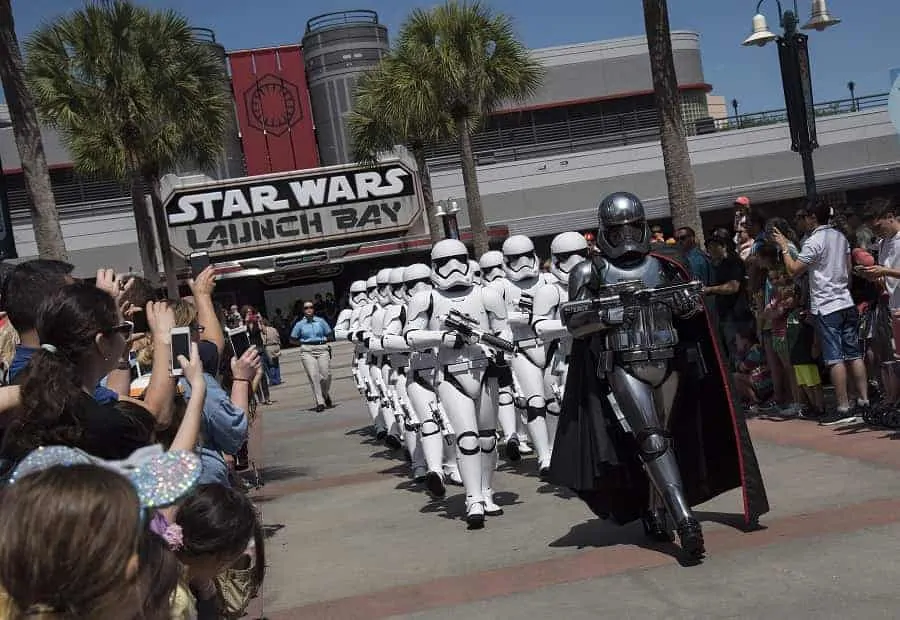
(159, 478)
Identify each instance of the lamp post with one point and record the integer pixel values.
(447, 210)
(793, 55)
(851, 86)
(737, 119)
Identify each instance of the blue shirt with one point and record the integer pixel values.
(102, 394)
(700, 265)
(224, 430)
(315, 331)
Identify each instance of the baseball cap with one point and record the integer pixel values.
(159, 478)
(742, 201)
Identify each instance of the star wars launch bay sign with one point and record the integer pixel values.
(274, 210)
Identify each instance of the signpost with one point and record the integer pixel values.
(270, 212)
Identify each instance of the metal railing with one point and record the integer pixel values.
(604, 131)
(341, 18)
(204, 35)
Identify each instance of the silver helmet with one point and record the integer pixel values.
(622, 226)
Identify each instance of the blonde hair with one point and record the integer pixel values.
(9, 339)
(185, 316)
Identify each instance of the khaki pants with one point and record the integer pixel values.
(316, 359)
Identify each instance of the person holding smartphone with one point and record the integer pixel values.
(313, 333)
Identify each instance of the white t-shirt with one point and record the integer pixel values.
(826, 254)
(889, 256)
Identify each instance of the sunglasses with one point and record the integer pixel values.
(125, 328)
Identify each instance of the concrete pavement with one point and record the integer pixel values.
(352, 537)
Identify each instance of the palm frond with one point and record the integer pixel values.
(130, 88)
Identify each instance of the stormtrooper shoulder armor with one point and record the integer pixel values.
(586, 278)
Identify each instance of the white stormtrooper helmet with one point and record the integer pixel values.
(476, 272)
(519, 259)
(398, 291)
(372, 289)
(491, 264)
(358, 293)
(417, 279)
(566, 251)
(383, 290)
(450, 264)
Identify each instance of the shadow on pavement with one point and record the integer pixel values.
(278, 474)
(454, 506)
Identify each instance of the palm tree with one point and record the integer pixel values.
(676, 157)
(44, 216)
(469, 61)
(390, 109)
(134, 94)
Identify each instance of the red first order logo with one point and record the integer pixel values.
(273, 104)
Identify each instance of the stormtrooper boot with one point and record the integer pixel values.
(537, 427)
(488, 441)
(469, 461)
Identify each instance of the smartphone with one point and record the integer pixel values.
(199, 261)
(239, 339)
(181, 345)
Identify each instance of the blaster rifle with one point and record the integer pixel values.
(443, 422)
(661, 294)
(571, 309)
(467, 327)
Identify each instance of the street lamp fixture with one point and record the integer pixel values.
(793, 54)
(447, 210)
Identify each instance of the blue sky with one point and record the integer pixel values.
(863, 48)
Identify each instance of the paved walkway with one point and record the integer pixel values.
(352, 537)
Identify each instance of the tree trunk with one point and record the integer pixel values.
(676, 157)
(473, 195)
(435, 226)
(162, 232)
(143, 226)
(27, 131)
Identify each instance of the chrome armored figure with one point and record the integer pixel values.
(638, 345)
(646, 376)
(457, 318)
(523, 280)
(567, 250)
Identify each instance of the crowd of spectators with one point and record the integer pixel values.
(120, 464)
(798, 304)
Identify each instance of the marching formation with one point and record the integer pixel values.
(455, 356)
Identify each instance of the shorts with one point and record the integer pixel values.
(839, 336)
(807, 375)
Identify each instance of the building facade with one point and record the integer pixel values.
(543, 164)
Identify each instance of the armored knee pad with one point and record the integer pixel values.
(487, 439)
(468, 443)
(505, 398)
(429, 428)
(652, 443)
(532, 412)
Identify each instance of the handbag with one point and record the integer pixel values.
(236, 587)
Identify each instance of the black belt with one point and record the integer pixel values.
(320, 342)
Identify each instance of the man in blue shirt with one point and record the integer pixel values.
(313, 333)
(697, 260)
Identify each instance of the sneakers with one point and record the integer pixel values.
(840, 417)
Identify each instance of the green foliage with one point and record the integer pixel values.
(455, 61)
(129, 88)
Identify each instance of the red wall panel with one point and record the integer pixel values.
(273, 109)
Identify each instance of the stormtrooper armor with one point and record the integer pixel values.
(343, 329)
(522, 269)
(464, 385)
(491, 264)
(359, 330)
(638, 348)
(567, 250)
(379, 360)
(476, 273)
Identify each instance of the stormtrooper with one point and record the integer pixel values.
(567, 250)
(355, 329)
(511, 424)
(380, 361)
(642, 336)
(426, 418)
(522, 282)
(343, 329)
(465, 387)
